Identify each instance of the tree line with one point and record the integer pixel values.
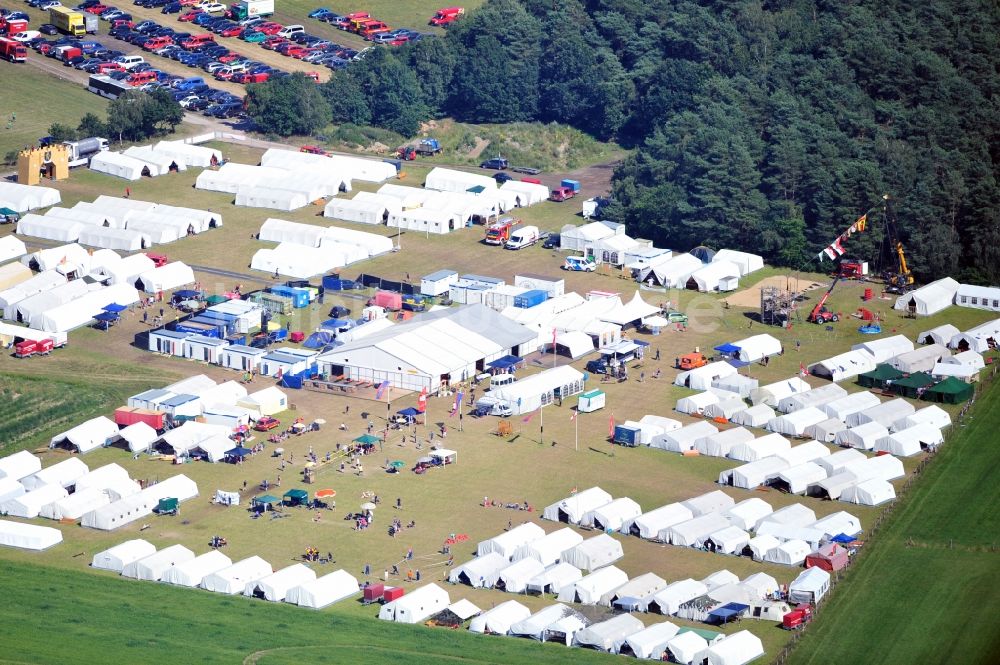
(766, 126)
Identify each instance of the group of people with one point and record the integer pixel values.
(312, 554)
(397, 526)
(493, 503)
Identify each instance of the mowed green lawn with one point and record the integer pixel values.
(928, 591)
(39, 100)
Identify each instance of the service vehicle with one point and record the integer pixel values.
(266, 423)
(526, 236)
(497, 163)
(579, 264)
(251, 8)
(562, 194)
(447, 15)
(13, 51)
(499, 232)
(691, 361)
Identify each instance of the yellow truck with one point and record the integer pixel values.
(68, 20)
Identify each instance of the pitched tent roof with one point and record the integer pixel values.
(941, 334)
(275, 587)
(685, 438)
(649, 643)
(76, 505)
(19, 465)
(884, 414)
(547, 550)
(612, 515)
(479, 572)
(932, 415)
(810, 586)
(604, 635)
(28, 536)
(154, 566)
(929, 299)
(950, 391)
(760, 448)
(64, 474)
(757, 347)
(87, 436)
(572, 508)
(139, 436)
(843, 366)
(507, 542)
(416, 606)
(669, 599)
(499, 619)
(746, 262)
(837, 523)
(736, 649)
(701, 378)
(843, 407)
(191, 573)
(534, 626)
(709, 502)
(323, 591)
(234, 579)
(694, 532)
(22, 198)
(648, 525)
(773, 393)
(588, 590)
(884, 348)
(554, 578)
(748, 513)
(685, 647)
(872, 492)
(594, 553)
(796, 422)
(119, 556)
(827, 430)
(814, 397)
(921, 359)
(638, 587)
(719, 445)
(753, 474)
(515, 577)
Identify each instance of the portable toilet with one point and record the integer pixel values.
(592, 400)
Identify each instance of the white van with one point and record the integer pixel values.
(290, 30)
(130, 61)
(579, 263)
(522, 237)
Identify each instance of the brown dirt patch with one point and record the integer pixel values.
(750, 297)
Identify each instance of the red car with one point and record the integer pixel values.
(96, 9)
(298, 52)
(234, 31)
(269, 28)
(229, 57)
(312, 150)
(266, 423)
(118, 22)
(272, 43)
(189, 16)
(244, 77)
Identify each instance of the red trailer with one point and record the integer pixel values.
(393, 593)
(128, 415)
(373, 593)
(30, 347)
(797, 618)
(389, 299)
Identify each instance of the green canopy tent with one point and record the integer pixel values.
(264, 502)
(369, 439)
(912, 386)
(295, 498)
(950, 391)
(880, 376)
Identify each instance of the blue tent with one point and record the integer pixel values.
(186, 294)
(726, 613)
(107, 317)
(728, 349)
(318, 340)
(843, 538)
(337, 324)
(506, 362)
(238, 451)
(114, 307)
(409, 412)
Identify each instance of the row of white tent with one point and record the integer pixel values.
(900, 353)
(976, 340)
(940, 294)
(153, 160)
(305, 250)
(296, 584)
(22, 198)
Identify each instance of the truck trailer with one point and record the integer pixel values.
(251, 8)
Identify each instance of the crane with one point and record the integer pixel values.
(900, 278)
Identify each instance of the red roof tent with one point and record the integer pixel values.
(830, 557)
(128, 415)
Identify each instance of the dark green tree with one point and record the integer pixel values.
(60, 132)
(291, 105)
(347, 99)
(91, 125)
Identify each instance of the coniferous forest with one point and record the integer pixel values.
(765, 126)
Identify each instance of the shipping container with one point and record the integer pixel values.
(389, 300)
(530, 298)
(299, 297)
(128, 415)
(393, 593)
(334, 283)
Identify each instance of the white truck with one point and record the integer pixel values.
(81, 151)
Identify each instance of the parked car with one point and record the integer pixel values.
(266, 423)
(498, 163)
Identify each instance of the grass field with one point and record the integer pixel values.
(39, 100)
(928, 590)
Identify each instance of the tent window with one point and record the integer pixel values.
(975, 301)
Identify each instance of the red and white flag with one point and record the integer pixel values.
(803, 371)
(422, 400)
(611, 426)
(572, 416)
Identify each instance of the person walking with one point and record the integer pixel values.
(399, 503)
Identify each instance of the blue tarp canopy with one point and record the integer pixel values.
(727, 348)
(114, 307)
(639, 342)
(409, 412)
(629, 603)
(843, 538)
(239, 451)
(727, 612)
(505, 362)
(336, 324)
(107, 317)
(318, 340)
(186, 294)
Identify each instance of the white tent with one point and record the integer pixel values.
(765, 446)
(603, 636)
(275, 587)
(63, 474)
(941, 334)
(134, 507)
(789, 553)
(795, 514)
(364, 208)
(718, 276)
(759, 546)
(978, 297)
(232, 175)
(424, 220)
(943, 370)
(84, 215)
(119, 556)
(155, 566)
(869, 493)
(843, 407)
(31, 309)
(815, 397)
(255, 196)
(648, 525)
(579, 238)
(416, 606)
(725, 408)
(796, 422)
(191, 573)
(13, 273)
(547, 550)
(76, 505)
(192, 155)
(746, 262)
(754, 474)
(165, 278)
(838, 461)
(187, 220)
(932, 415)
(589, 589)
(278, 230)
(534, 626)
(265, 402)
(81, 311)
(554, 578)
(611, 516)
(728, 540)
(884, 414)
(670, 599)
(672, 273)
(701, 378)
(526, 193)
(155, 231)
(11, 247)
(10, 489)
(515, 577)
(685, 438)
(810, 586)
(408, 197)
(480, 572)
(837, 523)
(507, 542)
(497, 621)
(234, 579)
(884, 348)
(19, 465)
(921, 359)
(761, 585)
(157, 162)
(572, 508)
(138, 436)
(719, 445)
(87, 436)
(773, 393)
(758, 347)
(22, 198)
(929, 299)
(735, 649)
(910, 441)
(119, 165)
(649, 643)
(449, 180)
(736, 383)
(754, 416)
(694, 532)
(843, 366)
(697, 403)
(638, 587)
(709, 502)
(594, 553)
(28, 536)
(297, 261)
(368, 244)
(809, 451)
(127, 240)
(127, 270)
(980, 339)
(321, 592)
(49, 228)
(797, 479)
(748, 513)
(183, 439)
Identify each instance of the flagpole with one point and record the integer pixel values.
(576, 432)
(541, 411)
